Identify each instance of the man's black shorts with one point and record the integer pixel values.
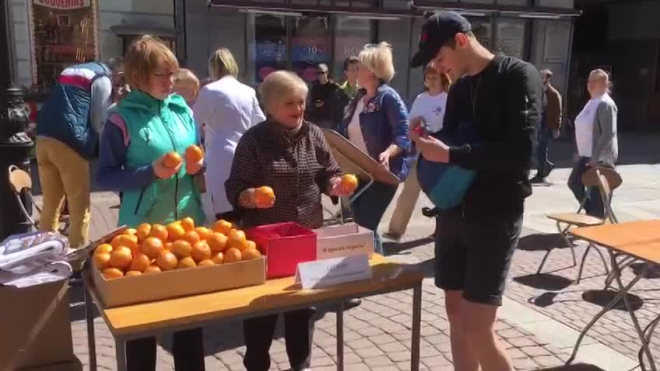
(473, 254)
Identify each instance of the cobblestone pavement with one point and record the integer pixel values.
(377, 333)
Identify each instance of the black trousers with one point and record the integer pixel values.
(259, 331)
(187, 349)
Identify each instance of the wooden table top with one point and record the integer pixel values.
(274, 295)
(640, 239)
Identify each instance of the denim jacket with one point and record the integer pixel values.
(384, 121)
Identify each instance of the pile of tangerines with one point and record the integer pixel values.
(153, 248)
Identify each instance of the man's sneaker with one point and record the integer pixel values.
(538, 180)
(550, 168)
(429, 213)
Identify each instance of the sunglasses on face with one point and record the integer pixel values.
(322, 73)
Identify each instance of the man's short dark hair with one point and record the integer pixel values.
(350, 60)
(452, 42)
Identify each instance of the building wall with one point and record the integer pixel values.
(551, 49)
(111, 12)
(634, 20)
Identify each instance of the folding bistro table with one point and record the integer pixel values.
(352, 160)
(274, 296)
(641, 241)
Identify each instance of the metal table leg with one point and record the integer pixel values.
(120, 348)
(416, 327)
(340, 336)
(622, 294)
(89, 317)
(650, 328)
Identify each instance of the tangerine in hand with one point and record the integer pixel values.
(172, 160)
(349, 183)
(264, 196)
(194, 154)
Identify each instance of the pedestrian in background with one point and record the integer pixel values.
(376, 122)
(326, 100)
(292, 157)
(427, 110)
(596, 139)
(68, 128)
(549, 129)
(226, 109)
(186, 84)
(350, 87)
(143, 128)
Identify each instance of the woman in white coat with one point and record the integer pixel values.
(226, 109)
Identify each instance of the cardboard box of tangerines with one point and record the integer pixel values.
(155, 262)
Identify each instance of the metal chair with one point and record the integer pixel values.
(607, 180)
(21, 183)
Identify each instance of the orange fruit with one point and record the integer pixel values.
(217, 242)
(203, 233)
(181, 248)
(186, 263)
(133, 273)
(168, 246)
(152, 246)
(103, 249)
(191, 236)
(201, 251)
(233, 255)
(236, 238)
(175, 231)
(172, 160)
(194, 154)
(205, 263)
(188, 224)
(125, 240)
(112, 273)
(159, 231)
(349, 183)
(152, 269)
(130, 231)
(249, 244)
(218, 258)
(121, 257)
(140, 263)
(264, 196)
(222, 226)
(143, 231)
(251, 254)
(166, 260)
(102, 260)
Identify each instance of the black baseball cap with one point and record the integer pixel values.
(436, 32)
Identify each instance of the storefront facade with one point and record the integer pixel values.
(266, 35)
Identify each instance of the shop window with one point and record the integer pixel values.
(513, 2)
(268, 48)
(510, 37)
(351, 35)
(64, 32)
(310, 45)
(481, 28)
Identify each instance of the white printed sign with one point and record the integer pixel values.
(64, 4)
(343, 240)
(330, 272)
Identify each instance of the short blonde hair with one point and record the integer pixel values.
(222, 63)
(378, 59)
(279, 85)
(184, 75)
(145, 55)
(604, 76)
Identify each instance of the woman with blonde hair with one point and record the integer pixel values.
(596, 139)
(428, 109)
(226, 109)
(292, 157)
(376, 122)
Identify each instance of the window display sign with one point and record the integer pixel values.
(64, 32)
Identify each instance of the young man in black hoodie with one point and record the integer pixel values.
(499, 98)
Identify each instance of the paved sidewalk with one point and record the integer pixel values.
(540, 318)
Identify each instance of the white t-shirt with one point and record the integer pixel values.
(431, 108)
(354, 129)
(584, 127)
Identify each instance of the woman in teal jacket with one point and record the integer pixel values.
(141, 130)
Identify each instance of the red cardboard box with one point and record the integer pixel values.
(285, 245)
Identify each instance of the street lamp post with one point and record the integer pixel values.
(15, 147)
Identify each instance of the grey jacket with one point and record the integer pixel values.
(605, 142)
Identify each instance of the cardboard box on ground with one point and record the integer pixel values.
(36, 328)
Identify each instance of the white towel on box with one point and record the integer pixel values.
(33, 258)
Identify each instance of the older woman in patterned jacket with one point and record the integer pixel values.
(291, 156)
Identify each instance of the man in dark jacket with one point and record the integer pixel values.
(497, 98)
(325, 106)
(549, 129)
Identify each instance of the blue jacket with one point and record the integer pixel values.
(384, 121)
(65, 115)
